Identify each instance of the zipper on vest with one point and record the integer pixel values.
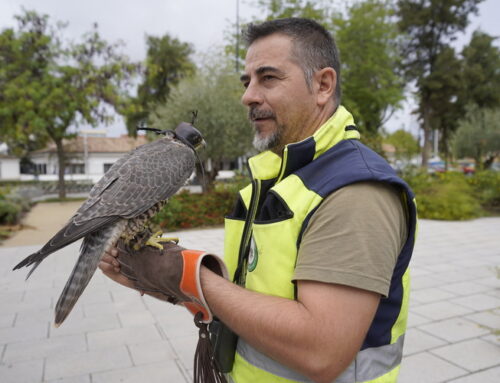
(284, 160)
(241, 270)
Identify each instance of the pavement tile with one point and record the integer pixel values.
(74, 364)
(454, 329)
(416, 320)
(493, 338)
(136, 318)
(418, 341)
(162, 372)
(7, 320)
(474, 355)
(122, 336)
(74, 325)
(465, 288)
(72, 379)
(19, 334)
(27, 318)
(431, 294)
(150, 352)
(181, 330)
(490, 282)
(486, 318)
(487, 376)
(22, 372)
(185, 347)
(95, 309)
(441, 310)
(38, 349)
(478, 302)
(425, 281)
(427, 368)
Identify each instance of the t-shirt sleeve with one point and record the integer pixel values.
(354, 238)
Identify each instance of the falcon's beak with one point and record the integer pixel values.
(201, 145)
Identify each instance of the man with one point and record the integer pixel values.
(321, 240)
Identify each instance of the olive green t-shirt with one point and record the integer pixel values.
(354, 238)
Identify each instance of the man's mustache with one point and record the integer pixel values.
(256, 114)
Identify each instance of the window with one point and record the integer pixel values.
(40, 168)
(75, 169)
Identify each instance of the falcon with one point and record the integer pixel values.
(120, 205)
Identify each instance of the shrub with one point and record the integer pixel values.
(486, 186)
(186, 210)
(11, 207)
(444, 196)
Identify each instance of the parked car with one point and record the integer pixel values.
(467, 167)
(436, 167)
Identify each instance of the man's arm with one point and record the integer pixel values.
(317, 335)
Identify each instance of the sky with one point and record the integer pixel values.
(199, 22)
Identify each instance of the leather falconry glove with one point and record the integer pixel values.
(174, 272)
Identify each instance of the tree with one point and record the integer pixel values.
(442, 88)
(371, 85)
(215, 93)
(405, 144)
(167, 62)
(481, 73)
(478, 136)
(429, 26)
(48, 86)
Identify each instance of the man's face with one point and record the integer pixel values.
(280, 105)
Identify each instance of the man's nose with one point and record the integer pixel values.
(251, 96)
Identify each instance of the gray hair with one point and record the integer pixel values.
(313, 46)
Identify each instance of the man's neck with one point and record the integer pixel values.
(323, 116)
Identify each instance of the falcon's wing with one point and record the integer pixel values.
(151, 173)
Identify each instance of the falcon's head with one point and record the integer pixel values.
(189, 135)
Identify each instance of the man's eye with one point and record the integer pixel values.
(245, 84)
(268, 78)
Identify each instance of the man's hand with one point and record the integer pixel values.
(171, 273)
(111, 268)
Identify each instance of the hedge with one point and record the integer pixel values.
(455, 196)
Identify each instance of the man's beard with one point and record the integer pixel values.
(273, 139)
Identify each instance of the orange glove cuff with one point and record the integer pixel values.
(191, 284)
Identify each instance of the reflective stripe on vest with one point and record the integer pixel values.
(369, 364)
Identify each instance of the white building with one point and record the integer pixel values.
(88, 157)
(9, 168)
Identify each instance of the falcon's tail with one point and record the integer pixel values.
(93, 247)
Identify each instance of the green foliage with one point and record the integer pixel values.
(48, 85)
(11, 207)
(481, 76)
(444, 196)
(478, 136)
(486, 185)
(405, 144)
(428, 27)
(372, 87)
(167, 62)
(215, 92)
(186, 210)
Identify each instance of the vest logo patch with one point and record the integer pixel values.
(253, 256)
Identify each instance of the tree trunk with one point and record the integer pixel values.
(426, 126)
(61, 159)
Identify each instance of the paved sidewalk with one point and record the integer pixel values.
(114, 335)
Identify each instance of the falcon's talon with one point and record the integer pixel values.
(156, 239)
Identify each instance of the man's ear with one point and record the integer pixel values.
(326, 81)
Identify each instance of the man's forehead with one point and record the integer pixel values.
(267, 53)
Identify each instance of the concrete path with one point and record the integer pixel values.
(114, 335)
